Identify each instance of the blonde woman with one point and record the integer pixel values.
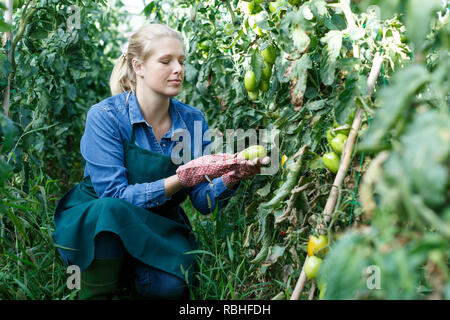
(123, 224)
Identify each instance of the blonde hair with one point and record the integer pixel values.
(140, 46)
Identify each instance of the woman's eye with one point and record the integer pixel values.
(165, 62)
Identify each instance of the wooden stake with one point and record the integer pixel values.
(345, 161)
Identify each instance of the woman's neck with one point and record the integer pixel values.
(154, 107)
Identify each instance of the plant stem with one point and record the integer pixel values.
(230, 9)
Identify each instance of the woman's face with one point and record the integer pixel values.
(163, 71)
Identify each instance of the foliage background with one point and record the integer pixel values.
(392, 209)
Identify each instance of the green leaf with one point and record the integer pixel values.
(4, 27)
(8, 131)
(425, 154)
(354, 87)
(333, 41)
(418, 19)
(261, 20)
(264, 191)
(318, 7)
(300, 74)
(5, 169)
(342, 268)
(257, 64)
(301, 39)
(150, 8)
(327, 70)
(276, 251)
(190, 72)
(316, 105)
(395, 100)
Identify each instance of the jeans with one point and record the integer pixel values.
(151, 282)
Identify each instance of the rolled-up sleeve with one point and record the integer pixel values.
(102, 148)
(206, 196)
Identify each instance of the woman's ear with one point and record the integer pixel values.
(137, 67)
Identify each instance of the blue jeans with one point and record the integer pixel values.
(151, 282)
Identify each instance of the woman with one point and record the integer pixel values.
(123, 223)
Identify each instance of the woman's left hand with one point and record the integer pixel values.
(245, 169)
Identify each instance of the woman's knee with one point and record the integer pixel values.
(158, 284)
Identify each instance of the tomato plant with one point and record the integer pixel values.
(299, 67)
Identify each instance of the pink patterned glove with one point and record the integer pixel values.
(244, 170)
(213, 166)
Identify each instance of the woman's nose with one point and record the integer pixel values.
(178, 67)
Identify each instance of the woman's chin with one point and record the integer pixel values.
(173, 93)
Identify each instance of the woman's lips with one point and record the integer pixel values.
(175, 81)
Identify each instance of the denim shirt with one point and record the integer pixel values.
(109, 123)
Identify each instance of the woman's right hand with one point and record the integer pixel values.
(213, 166)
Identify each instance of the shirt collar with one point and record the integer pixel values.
(137, 117)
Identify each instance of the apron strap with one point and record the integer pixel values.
(132, 134)
(132, 126)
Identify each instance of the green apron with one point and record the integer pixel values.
(158, 236)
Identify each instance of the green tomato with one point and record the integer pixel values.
(338, 143)
(253, 152)
(264, 85)
(266, 71)
(204, 45)
(331, 161)
(250, 81)
(269, 54)
(253, 95)
(330, 135)
(228, 29)
(312, 267)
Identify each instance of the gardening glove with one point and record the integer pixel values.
(212, 166)
(244, 170)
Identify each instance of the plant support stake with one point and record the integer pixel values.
(345, 161)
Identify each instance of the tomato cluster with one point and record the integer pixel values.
(317, 248)
(337, 142)
(251, 84)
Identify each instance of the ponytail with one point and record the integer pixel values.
(122, 77)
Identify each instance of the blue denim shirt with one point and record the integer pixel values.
(110, 121)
